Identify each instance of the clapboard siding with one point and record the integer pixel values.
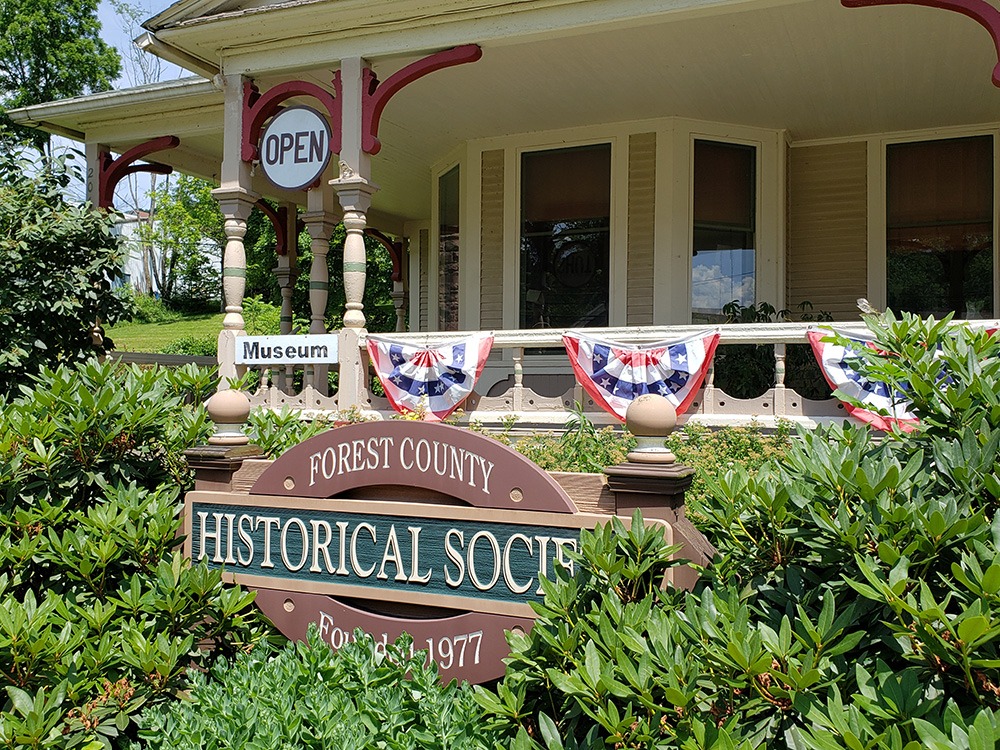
(828, 227)
(641, 216)
(491, 241)
(424, 276)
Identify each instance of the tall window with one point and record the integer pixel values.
(939, 227)
(448, 244)
(565, 221)
(725, 209)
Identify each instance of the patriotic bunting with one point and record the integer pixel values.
(439, 377)
(885, 411)
(615, 374)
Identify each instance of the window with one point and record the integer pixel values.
(725, 209)
(565, 223)
(939, 227)
(448, 245)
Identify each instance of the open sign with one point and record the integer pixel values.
(295, 148)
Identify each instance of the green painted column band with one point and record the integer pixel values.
(240, 273)
(355, 267)
(322, 285)
(285, 318)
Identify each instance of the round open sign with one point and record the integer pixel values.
(295, 147)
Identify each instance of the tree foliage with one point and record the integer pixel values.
(58, 262)
(180, 240)
(50, 49)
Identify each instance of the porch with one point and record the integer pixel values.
(528, 383)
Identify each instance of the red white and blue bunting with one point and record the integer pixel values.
(615, 374)
(436, 378)
(882, 409)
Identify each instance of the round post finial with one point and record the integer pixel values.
(230, 410)
(651, 418)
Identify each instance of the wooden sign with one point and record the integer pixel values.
(396, 526)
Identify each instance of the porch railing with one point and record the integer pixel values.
(527, 370)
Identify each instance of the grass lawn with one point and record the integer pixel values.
(152, 337)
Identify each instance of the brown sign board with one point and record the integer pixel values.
(396, 526)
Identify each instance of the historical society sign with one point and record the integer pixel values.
(396, 526)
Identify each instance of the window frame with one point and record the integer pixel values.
(878, 199)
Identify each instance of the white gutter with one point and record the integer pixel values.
(149, 42)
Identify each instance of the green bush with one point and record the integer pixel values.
(99, 612)
(277, 431)
(58, 262)
(150, 309)
(363, 696)
(854, 601)
(193, 346)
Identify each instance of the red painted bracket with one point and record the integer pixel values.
(395, 250)
(111, 171)
(279, 219)
(257, 108)
(979, 11)
(375, 95)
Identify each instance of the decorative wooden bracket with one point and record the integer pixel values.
(395, 250)
(375, 95)
(257, 108)
(980, 11)
(111, 171)
(279, 219)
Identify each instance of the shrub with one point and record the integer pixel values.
(193, 346)
(99, 612)
(365, 695)
(853, 601)
(58, 262)
(150, 309)
(277, 431)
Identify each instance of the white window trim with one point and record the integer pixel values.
(877, 281)
(456, 159)
(675, 213)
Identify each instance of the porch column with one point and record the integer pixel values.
(236, 200)
(287, 273)
(93, 157)
(236, 205)
(399, 288)
(320, 222)
(354, 190)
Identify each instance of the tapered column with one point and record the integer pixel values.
(236, 205)
(236, 200)
(287, 273)
(355, 195)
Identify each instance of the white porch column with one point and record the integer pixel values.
(354, 190)
(320, 221)
(236, 205)
(236, 200)
(287, 272)
(92, 152)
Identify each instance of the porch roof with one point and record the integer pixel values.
(809, 67)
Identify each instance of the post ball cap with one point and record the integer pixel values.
(229, 407)
(651, 415)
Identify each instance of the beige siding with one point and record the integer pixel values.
(424, 277)
(491, 242)
(827, 227)
(641, 215)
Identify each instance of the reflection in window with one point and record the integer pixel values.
(448, 188)
(722, 270)
(939, 227)
(565, 220)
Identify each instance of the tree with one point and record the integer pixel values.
(181, 240)
(58, 264)
(49, 49)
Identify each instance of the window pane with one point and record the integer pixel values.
(722, 270)
(939, 234)
(565, 220)
(448, 187)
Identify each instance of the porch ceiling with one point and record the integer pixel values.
(812, 68)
